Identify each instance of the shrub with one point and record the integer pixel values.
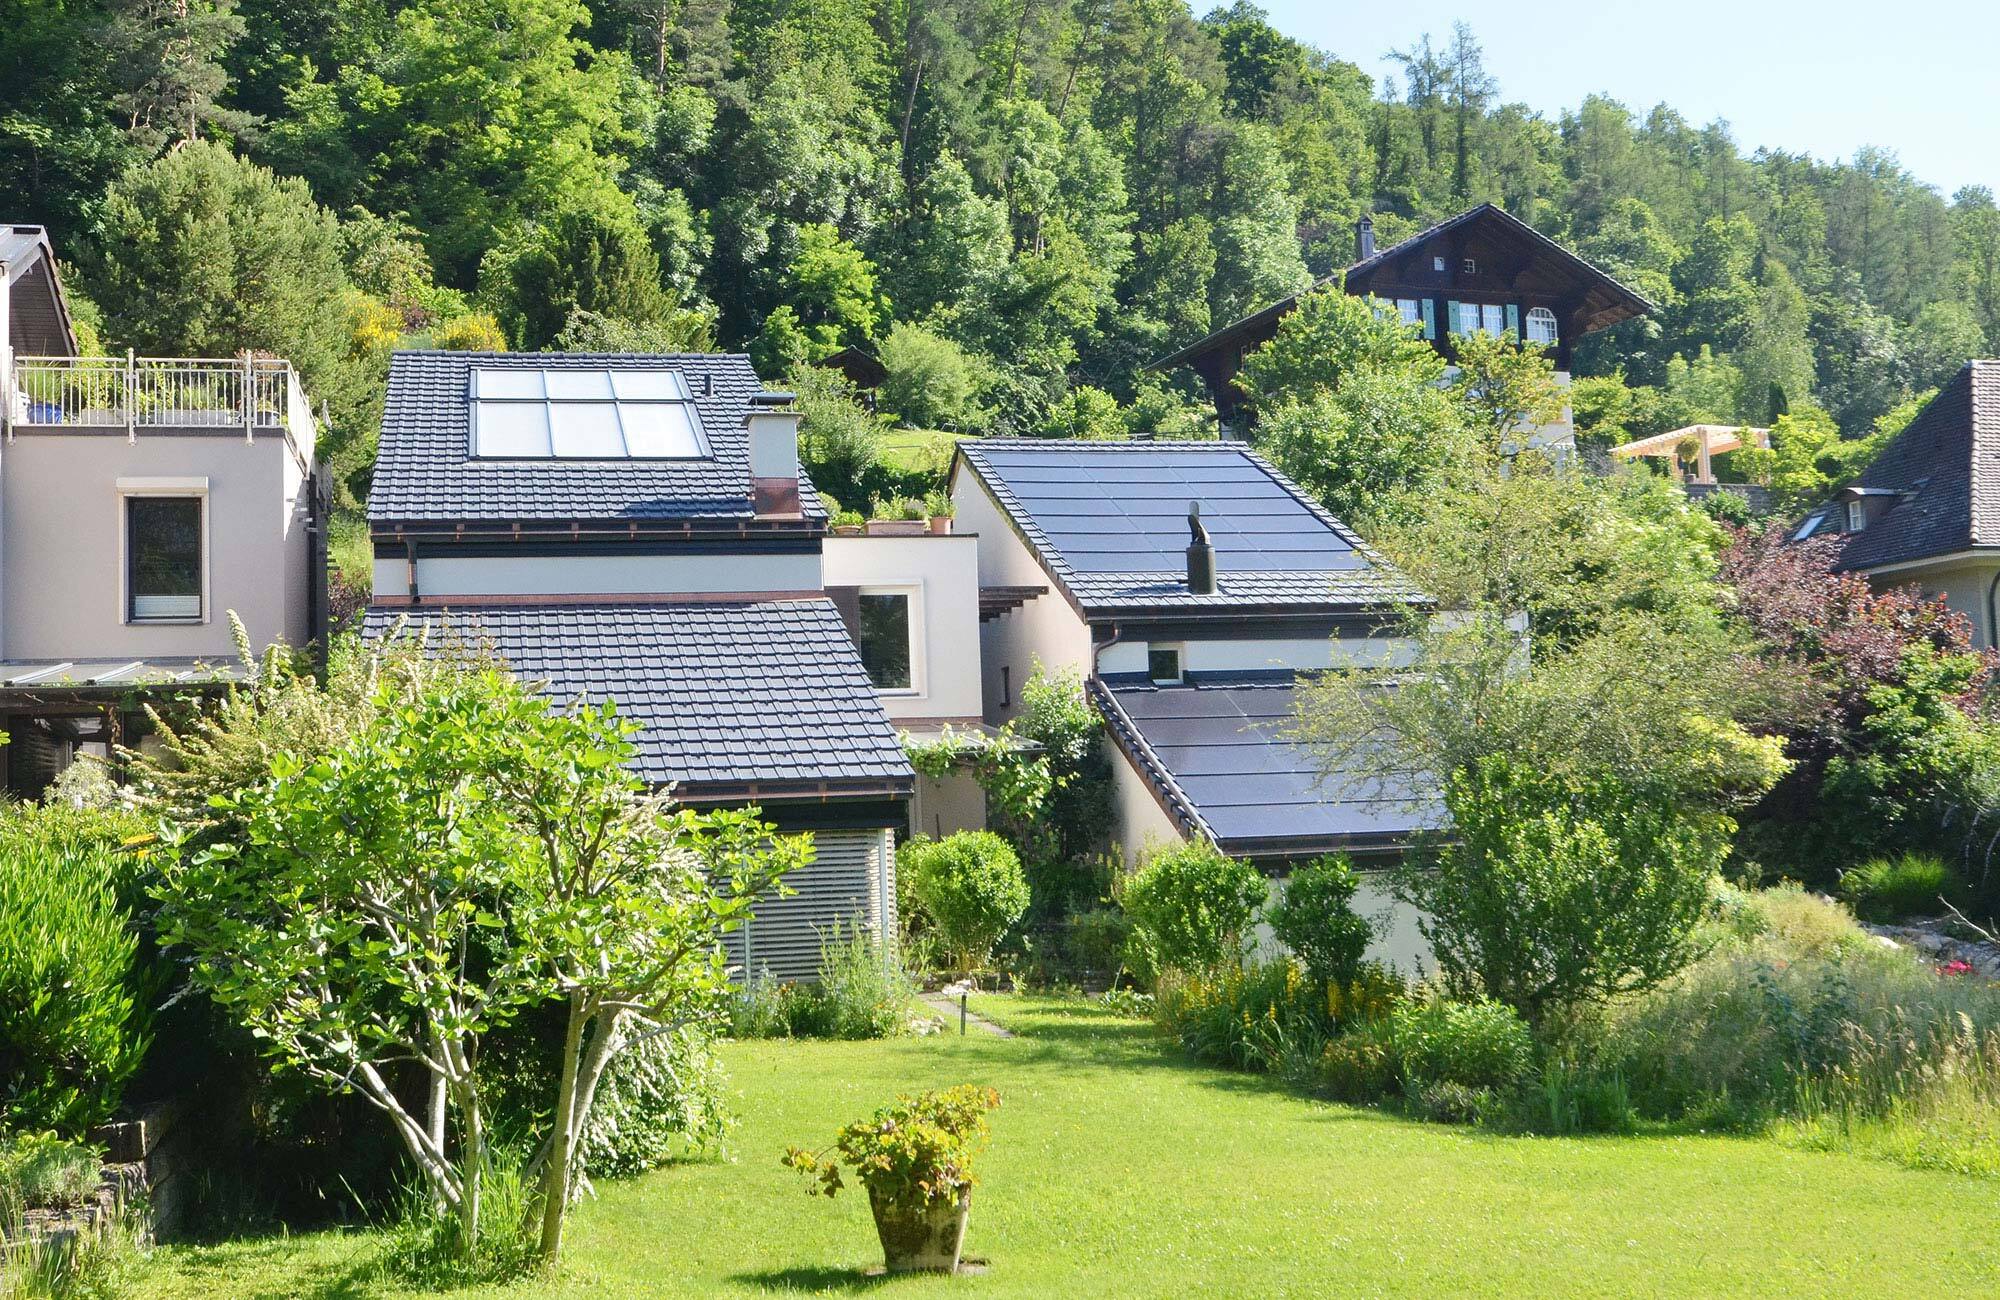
(1473, 1044)
(662, 1096)
(931, 382)
(1317, 921)
(41, 1170)
(1444, 1101)
(970, 886)
(1360, 1065)
(1191, 907)
(71, 1030)
(1888, 889)
(859, 995)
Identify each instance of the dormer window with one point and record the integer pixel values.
(558, 414)
(1163, 665)
(1857, 516)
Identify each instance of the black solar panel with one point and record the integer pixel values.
(1126, 511)
(1227, 747)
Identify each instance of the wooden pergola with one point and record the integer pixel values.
(1710, 440)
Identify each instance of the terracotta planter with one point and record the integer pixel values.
(941, 525)
(921, 1236)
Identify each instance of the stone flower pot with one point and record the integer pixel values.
(921, 1236)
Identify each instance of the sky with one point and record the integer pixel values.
(1825, 77)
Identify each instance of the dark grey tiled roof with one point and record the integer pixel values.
(425, 472)
(1109, 522)
(771, 693)
(1219, 753)
(1945, 468)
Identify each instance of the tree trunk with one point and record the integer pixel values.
(473, 1156)
(556, 1171)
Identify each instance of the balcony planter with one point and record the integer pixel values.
(915, 1158)
(941, 525)
(895, 527)
(848, 530)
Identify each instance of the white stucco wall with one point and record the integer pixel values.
(1045, 629)
(1141, 824)
(941, 574)
(62, 543)
(1397, 944)
(596, 574)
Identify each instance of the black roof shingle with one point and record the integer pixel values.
(425, 472)
(766, 693)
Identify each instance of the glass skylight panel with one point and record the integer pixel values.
(586, 431)
(659, 429)
(507, 384)
(513, 429)
(578, 385)
(650, 385)
(584, 414)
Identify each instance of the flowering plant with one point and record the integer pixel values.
(1955, 968)
(919, 1149)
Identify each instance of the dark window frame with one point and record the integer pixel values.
(135, 589)
(882, 674)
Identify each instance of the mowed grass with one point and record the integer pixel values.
(1118, 1169)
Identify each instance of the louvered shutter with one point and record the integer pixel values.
(1430, 318)
(1451, 321)
(850, 882)
(1514, 320)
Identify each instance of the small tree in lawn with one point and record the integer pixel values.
(1191, 907)
(1317, 921)
(621, 901)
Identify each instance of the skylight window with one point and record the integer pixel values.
(563, 414)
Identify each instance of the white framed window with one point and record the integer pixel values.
(1437, 264)
(1493, 318)
(887, 634)
(1541, 326)
(1468, 318)
(1163, 664)
(1857, 516)
(1410, 310)
(1470, 266)
(163, 545)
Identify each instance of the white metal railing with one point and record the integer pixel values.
(133, 393)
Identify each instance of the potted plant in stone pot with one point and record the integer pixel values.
(915, 1158)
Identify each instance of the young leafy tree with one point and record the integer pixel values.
(1330, 335)
(618, 900)
(1506, 387)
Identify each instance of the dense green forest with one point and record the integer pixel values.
(1016, 203)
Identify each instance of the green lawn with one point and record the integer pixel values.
(1118, 1169)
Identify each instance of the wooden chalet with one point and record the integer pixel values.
(1481, 271)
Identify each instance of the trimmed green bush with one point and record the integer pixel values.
(1889, 889)
(971, 888)
(1473, 1044)
(1317, 921)
(71, 1031)
(1191, 907)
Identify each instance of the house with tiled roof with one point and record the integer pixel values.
(1482, 271)
(1926, 511)
(637, 528)
(1193, 587)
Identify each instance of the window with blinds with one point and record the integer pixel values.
(163, 554)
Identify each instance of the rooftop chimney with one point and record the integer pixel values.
(1200, 555)
(1364, 238)
(774, 455)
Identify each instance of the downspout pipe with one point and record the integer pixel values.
(1993, 612)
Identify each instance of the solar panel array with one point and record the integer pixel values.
(1228, 747)
(1125, 511)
